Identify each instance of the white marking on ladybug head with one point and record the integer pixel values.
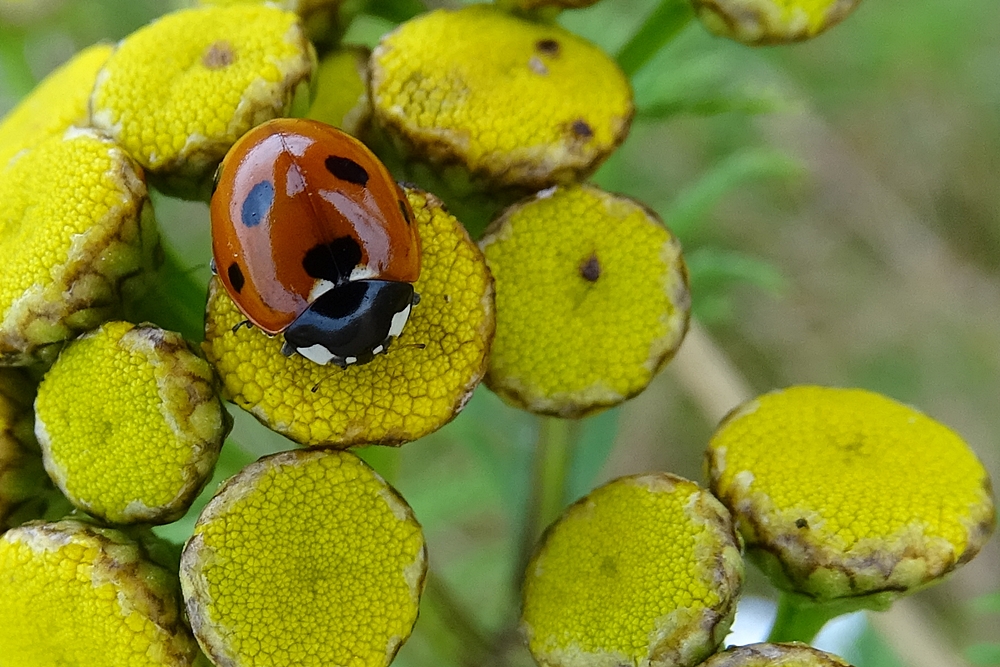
(378, 349)
(350, 360)
(362, 273)
(399, 321)
(319, 288)
(316, 353)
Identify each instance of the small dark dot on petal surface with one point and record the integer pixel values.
(582, 129)
(547, 47)
(219, 55)
(801, 523)
(590, 269)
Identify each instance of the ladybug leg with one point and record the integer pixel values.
(416, 299)
(245, 323)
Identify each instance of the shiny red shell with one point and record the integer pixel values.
(293, 198)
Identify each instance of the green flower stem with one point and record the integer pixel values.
(666, 21)
(553, 457)
(800, 619)
(448, 626)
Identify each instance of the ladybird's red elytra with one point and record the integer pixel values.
(313, 239)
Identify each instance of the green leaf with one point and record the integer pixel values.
(595, 439)
(711, 268)
(987, 604)
(666, 21)
(983, 653)
(692, 205)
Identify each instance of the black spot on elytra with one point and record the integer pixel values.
(236, 278)
(801, 523)
(581, 129)
(257, 204)
(406, 214)
(590, 269)
(333, 261)
(347, 169)
(547, 47)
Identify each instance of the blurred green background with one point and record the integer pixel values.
(839, 203)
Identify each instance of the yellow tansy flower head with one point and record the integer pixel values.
(341, 90)
(793, 654)
(421, 382)
(846, 493)
(771, 21)
(130, 424)
(592, 300)
(321, 17)
(74, 594)
(305, 558)
(517, 103)
(74, 226)
(177, 93)
(56, 104)
(644, 571)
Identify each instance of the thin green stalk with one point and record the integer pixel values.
(553, 456)
(666, 21)
(800, 619)
(449, 627)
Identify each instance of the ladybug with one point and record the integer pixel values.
(313, 239)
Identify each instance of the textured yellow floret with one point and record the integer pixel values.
(80, 596)
(644, 571)
(772, 21)
(129, 423)
(399, 396)
(516, 102)
(177, 93)
(305, 558)
(792, 654)
(57, 103)
(342, 90)
(853, 492)
(70, 231)
(592, 300)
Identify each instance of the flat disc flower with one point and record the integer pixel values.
(74, 226)
(843, 493)
(304, 558)
(419, 385)
(592, 300)
(74, 594)
(129, 423)
(177, 93)
(643, 571)
(517, 103)
(772, 21)
(56, 104)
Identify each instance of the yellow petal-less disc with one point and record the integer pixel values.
(419, 385)
(177, 93)
(56, 104)
(130, 424)
(517, 103)
(844, 493)
(75, 594)
(645, 570)
(592, 300)
(75, 225)
(772, 21)
(304, 558)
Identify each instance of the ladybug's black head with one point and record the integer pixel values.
(351, 323)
